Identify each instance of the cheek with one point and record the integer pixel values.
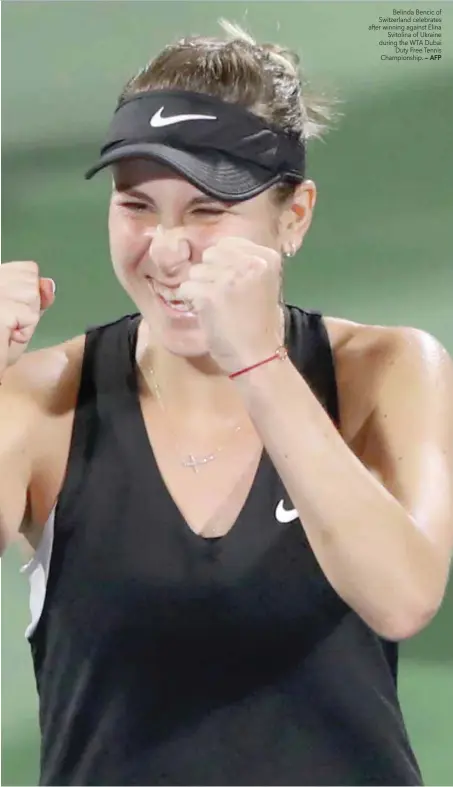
(262, 230)
(267, 228)
(127, 245)
(232, 225)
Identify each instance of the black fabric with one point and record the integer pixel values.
(163, 658)
(220, 147)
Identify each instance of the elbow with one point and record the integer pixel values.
(406, 623)
(416, 602)
(408, 627)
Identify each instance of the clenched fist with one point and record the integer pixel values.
(235, 292)
(24, 296)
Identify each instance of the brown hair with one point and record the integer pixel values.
(264, 78)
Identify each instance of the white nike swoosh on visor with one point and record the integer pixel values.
(284, 515)
(157, 121)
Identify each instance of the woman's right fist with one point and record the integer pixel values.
(24, 296)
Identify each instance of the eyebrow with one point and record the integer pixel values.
(201, 199)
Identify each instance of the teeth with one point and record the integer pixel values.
(180, 307)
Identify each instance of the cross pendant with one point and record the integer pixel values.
(191, 462)
(194, 463)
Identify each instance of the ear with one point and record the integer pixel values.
(295, 220)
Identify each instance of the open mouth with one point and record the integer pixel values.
(168, 299)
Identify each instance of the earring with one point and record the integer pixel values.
(289, 249)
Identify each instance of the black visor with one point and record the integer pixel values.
(224, 150)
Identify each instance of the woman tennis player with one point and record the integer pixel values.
(238, 507)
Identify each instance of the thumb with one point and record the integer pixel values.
(4, 348)
(47, 293)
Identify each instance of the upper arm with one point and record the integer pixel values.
(34, 393)
(17, 413)
(409, 434)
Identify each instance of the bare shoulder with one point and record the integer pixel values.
(46, 380)
(396, 394)
(375, 363)
(356, 344)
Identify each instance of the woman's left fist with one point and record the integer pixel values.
(235, 293)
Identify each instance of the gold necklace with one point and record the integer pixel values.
(191, 461)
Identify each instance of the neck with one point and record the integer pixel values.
(190, 388)
(194, 388)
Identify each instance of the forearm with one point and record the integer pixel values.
(366, 543)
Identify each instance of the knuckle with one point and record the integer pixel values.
(197, 273)
(257, 263)
(32, 266)
(185, 289)
(19, 278)
(227, 241)
(32, 272)
(211, 254)
(23, 266)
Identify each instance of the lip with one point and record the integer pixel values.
(162, 284)
(169, 310)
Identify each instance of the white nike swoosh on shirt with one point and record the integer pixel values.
(284, 515)
(157, 121)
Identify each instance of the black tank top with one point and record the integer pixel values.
(163, 658)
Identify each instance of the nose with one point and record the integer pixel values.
(170, 249)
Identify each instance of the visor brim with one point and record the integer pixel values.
(213, 173)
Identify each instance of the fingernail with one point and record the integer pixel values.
(54, 286)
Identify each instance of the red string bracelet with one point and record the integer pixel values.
(281, 353)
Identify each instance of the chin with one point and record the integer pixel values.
(173, 332)
(185, 342)
(185, 346)
(180, 337)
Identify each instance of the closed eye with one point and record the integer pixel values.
(137, 206)
(212, 211)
